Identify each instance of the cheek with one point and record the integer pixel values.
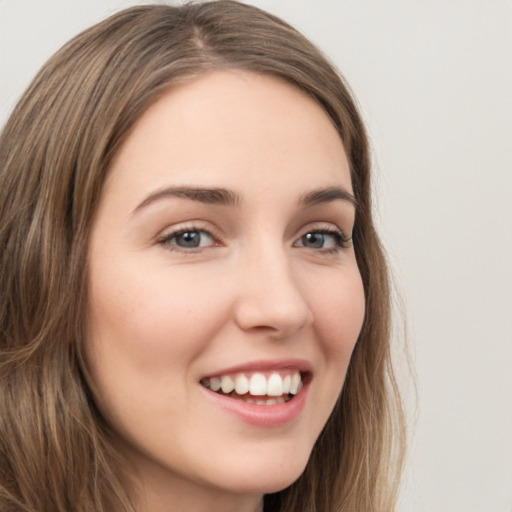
(152, 315)
(339, 314)
(144, 333)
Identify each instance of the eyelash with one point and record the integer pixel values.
(341, 241)
(166, 239)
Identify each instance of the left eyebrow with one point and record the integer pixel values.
(326, 195)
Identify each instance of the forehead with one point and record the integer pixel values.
(232, 129)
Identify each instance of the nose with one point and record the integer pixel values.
(270, 298)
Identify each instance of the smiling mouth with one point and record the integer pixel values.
(259, 388)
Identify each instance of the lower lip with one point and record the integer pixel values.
(262, 415)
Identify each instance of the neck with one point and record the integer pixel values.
(195, 503)
(165, 496)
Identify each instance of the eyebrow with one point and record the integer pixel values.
(219, 196)
(326, 195)
(224, 197)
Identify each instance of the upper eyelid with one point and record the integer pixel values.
(192, 225)
(342, 239)
(164, 241)
(323, 226)
(219, 236)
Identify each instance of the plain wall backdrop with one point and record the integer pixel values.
(434, 81)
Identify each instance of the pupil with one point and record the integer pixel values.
(315, 240)
(189, 239)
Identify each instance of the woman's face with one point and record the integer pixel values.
(220, 255)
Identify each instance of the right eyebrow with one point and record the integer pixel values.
(219, 196)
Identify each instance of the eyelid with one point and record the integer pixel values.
(170, 232)
(173, 231)
(325, 228)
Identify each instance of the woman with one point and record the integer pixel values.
(195, 305)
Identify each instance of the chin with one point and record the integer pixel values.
(273, 474)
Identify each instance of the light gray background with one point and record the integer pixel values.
(434, 80)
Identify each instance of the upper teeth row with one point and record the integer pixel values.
(257, 384)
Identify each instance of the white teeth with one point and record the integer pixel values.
(296, 381)
(241, 384)
(258, 385)
(275, 385)
(227, 384)
(286, 384)
(215, 384)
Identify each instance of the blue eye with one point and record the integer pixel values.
(327, 240)
(189, 239)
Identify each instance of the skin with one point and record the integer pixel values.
(162, 316)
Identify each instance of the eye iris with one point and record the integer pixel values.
(189, 239)
(314, 240)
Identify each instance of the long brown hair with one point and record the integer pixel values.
(56, 452)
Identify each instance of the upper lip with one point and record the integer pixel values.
(301, 365)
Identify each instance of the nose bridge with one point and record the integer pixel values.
(270, 296)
